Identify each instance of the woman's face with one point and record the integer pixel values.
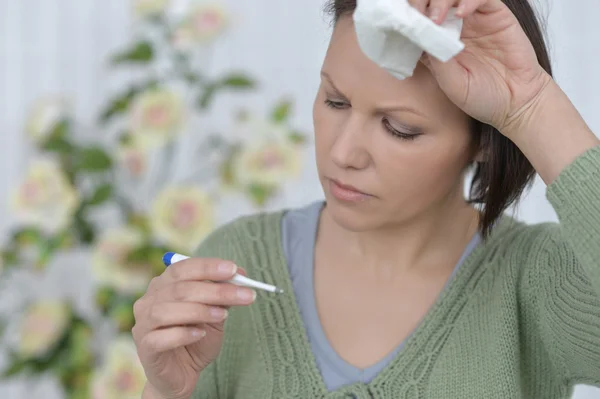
(401, 143)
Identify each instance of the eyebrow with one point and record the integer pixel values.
(393, 108)
(326, 76)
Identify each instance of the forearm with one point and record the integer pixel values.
(551, 133)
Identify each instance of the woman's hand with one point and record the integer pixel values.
(497, 76)
(179, 323)
(498, 80)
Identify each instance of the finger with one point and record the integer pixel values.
(420, 5)
(208, 293)
(199, 269)
(159, 282)
(468, 7)
(171, 314)
(438, 10)
(170, 338)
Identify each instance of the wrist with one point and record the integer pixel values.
(523, 119)
(551, 132)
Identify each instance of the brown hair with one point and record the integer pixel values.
(506, 173)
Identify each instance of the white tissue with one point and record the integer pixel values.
(394, 35)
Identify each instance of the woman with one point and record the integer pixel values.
(396, 287)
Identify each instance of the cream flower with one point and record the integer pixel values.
(109, 261)
(157, 116)
(43, 326)
(182, 217)
(45, 115)
(45, 199)
(268, 158)
(121, 376)
(203, 23)
(144, 8)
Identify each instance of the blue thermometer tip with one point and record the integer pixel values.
(167, 258)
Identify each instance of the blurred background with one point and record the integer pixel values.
(133, 127)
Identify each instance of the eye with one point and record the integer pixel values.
(405, 134)
(337, 104)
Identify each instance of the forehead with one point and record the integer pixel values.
(357, 76)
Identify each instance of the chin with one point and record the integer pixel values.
(354, 217)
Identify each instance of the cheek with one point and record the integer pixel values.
(324, 126)
(425, 168)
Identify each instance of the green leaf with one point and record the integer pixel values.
(105, 298)
(140, 254)
(191, 77)
(27, 235)
(237, 81)
(226, 171)
(61, 129)
(122, 314)
(260, 194)
(207, 96)
(140, 222)
(10, 257)
(281, 112)
(17, 367)
(45, 251)
(58, 144)
(101, 195)
(141, 53)
(84, 230)
(94, 159)
(119, 104)
(297, 138)
(125, 138)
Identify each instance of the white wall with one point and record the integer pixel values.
(59, 46)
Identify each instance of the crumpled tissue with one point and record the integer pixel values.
(394, 35)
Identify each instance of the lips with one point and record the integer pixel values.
(346, 193)
(347, 187)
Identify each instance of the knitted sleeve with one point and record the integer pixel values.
(206, 387)
(569, 287)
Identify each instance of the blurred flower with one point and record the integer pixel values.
(121, 376)
(43, 326)
(110, 265)
(203, 23)
(182, 217)
(133, 159)
(157, 116)
(268, 157)
(146, 8)
(45, 198)
(45, 115)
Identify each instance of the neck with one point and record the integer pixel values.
(435, 237)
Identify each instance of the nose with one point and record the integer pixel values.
(349, 150)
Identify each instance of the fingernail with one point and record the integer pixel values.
(227, 267)
(218, 313)
(434, 14)
(246, 294)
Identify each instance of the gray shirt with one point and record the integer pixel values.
(299, 230)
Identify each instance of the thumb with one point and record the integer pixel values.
(442, 71)
(447, 74)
